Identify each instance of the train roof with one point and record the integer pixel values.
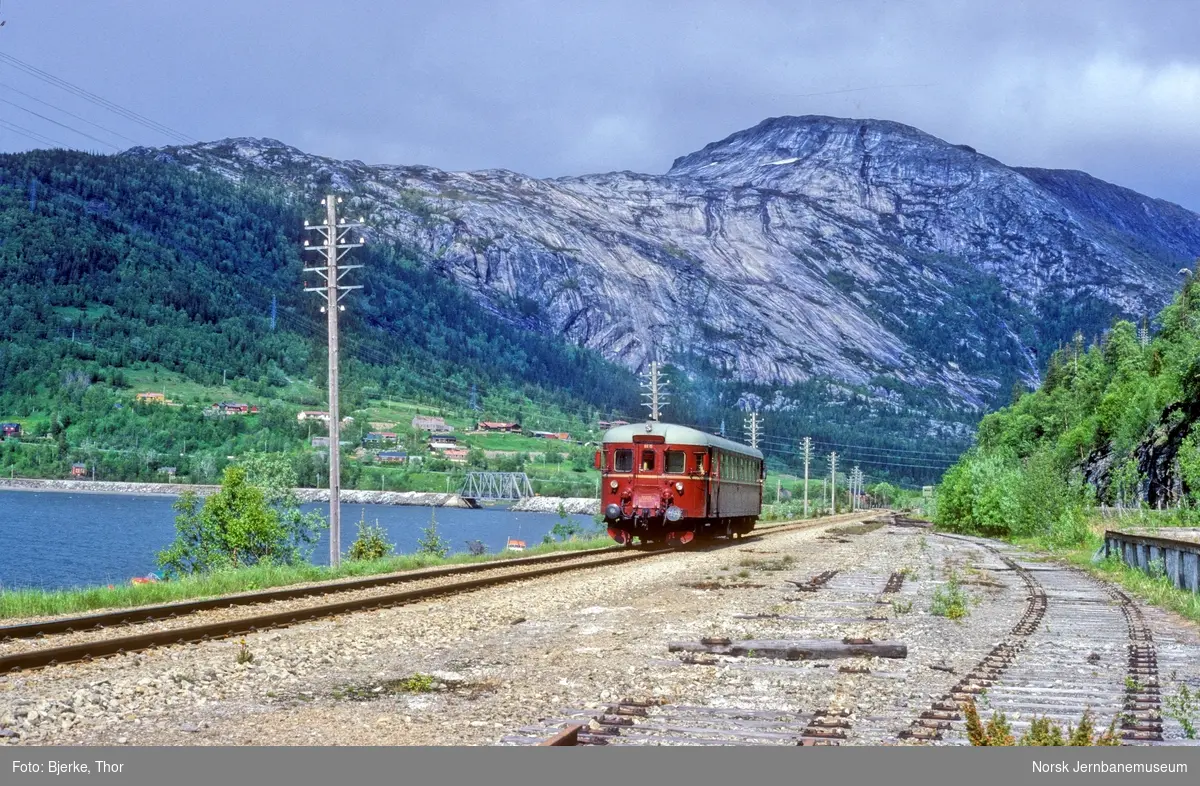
(678, 435)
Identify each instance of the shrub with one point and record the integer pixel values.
(371, 542)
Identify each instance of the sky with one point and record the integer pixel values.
(567, 88)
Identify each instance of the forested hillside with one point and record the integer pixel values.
(121, 274)
(1114, 422)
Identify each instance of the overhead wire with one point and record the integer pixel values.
(55, 122)
(31, 134)
(100, 101)
(57, 108)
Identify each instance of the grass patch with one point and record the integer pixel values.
(857, 529)
(22, 603)
(782, 563)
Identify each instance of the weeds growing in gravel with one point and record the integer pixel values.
(949, 600)
(1042, 731)
(902, 606)
(1184, 706)
(244, 655)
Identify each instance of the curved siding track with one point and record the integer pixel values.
(1081, 645)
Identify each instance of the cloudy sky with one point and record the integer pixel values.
(559, 88)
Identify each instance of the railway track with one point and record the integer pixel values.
(1075, 645)
(1081, 645)
(66, 640)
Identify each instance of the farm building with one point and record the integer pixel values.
(392, 456)
(235, 408)
(564, 436)
(310, 414)
(489, 425)
(443, 441)
(380, 438)
(79, 470)
(431, 424)
(10, 429)
(152, 397)
(457, 455)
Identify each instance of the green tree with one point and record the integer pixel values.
(431, 544)
(234, 527)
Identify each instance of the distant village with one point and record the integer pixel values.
(383, 444)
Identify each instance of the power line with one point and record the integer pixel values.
(57, 108)
(55, 122)
(87, 95)
(30, 134)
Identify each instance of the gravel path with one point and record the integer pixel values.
(519, 656)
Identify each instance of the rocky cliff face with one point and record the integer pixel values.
(862, 252)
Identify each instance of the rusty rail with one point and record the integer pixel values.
(568, 736)
(50, 656)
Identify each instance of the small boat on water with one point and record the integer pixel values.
(515, 545)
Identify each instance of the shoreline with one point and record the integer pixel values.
(305, 495)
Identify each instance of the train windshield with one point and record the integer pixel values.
(623, 461)
(647, 460)
(675, 461)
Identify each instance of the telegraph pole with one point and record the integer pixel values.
(833, 483)
(332, 250)
(752, 429)
(656, 391)
(807, 449)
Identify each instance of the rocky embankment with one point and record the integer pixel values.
(353, 496)
(581, 505)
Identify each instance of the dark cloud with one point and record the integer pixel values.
(552, 88)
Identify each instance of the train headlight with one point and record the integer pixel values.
(679, 487)
(674, 513)
(612, 484)
(612, 512)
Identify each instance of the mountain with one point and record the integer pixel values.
(819, 267)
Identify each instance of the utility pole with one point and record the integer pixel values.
(833, 483)
(807, 450)
(752, 429)
(656, 391)
(332, 249)
(778, 486)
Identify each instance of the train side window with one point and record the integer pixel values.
(647, 460)
(699, 462)
(623, 460)
(675, 462)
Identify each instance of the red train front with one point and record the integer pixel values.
(668, 483)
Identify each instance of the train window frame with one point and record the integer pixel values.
(667, 456)
(699, 456)
(619, 454)
(644, 465)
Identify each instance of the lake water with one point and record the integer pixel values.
(56, 539)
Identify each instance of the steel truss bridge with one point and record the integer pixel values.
(496, 486)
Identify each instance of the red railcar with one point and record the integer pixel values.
(668, 483)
